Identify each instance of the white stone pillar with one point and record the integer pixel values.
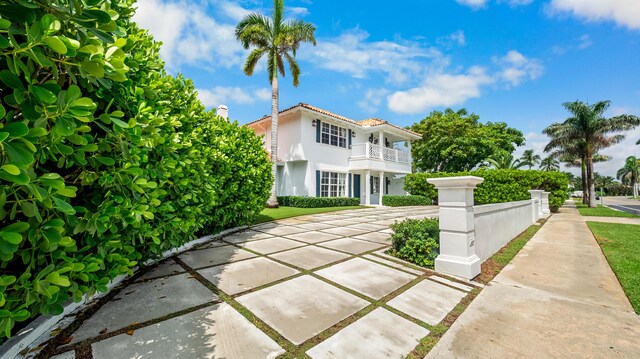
(457, 229)
(367, 187)
(538, 196)
(545, 203)
(536, 200)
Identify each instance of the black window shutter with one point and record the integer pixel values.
(318, 130)
(349, 134)
(350, 176)
(317, 183)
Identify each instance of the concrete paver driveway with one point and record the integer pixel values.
(314, 286)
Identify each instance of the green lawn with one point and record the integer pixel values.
(602, 212)
(271, 214)
(621, 245)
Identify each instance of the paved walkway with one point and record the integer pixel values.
(316, 285)
(557, 299)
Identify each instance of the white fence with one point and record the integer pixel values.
(470, 234)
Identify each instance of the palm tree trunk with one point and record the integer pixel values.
(585, 190)
(591, 181)
(273, 200)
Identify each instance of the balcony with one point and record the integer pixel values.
(369, 156)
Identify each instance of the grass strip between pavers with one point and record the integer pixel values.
(620, 244)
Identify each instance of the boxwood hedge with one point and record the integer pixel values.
(400, 201)
(499, 185)
(317, 202)
(106, 160)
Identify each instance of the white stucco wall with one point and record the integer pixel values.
(497, 224)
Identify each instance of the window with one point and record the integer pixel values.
(333, 184)
(334, 135)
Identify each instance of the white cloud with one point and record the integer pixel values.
(585, 41)
(189, 35)
(478, 4)
(234, 11)
(619, 153)
(514, 3)
(372, 100)
(624, 12)
(296, 11)
(456, 38)
(474, 4)
(443, 88)
(236, 95)
(352, 54)
(515, 68)
(440, 90)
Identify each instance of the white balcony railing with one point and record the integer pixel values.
(370, 150)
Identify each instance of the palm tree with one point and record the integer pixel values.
(630, 173)
(604, 183)
(279, 40)
(588, 131)
(530, 159)
(549, 164)
(502, 161)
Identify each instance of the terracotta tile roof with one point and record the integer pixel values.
(370, 122)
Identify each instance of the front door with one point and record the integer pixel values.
(356, 186)
(375, 190)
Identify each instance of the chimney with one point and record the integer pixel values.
(223, 111)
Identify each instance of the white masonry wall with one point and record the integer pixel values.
(497, 224)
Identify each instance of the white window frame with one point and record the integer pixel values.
(333, 184)
(333, 135)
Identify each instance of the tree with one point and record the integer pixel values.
(630, 173)
(529, 158)
(549, 164)
(279, 40)
(503, 161)
(457, 141)
(588, 131)
(604, 182)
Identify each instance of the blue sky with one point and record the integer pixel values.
(515, 61)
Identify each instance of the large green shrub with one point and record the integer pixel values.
(499, 185)
(400, 201)
(317, 202)
(106, 160)
(417, 241)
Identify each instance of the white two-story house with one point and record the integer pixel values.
(323, 154)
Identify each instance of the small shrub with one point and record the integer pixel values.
(317, 202)
(400, 201)
(417, 241)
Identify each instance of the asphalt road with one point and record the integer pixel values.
(623, 204)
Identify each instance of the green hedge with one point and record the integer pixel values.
(400, 201)
(417, 241)
(106, 160)
(499, 185)
(317, 202)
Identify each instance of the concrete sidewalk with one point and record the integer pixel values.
(557, 299)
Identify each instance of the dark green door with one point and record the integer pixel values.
(356, 186)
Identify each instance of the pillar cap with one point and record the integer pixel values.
(456, 182)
